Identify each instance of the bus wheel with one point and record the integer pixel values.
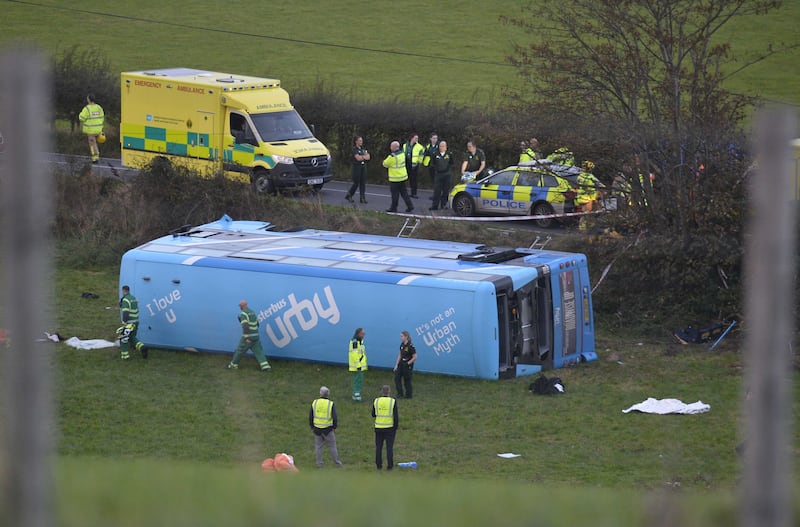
(262, 183)
(463, 205)
(543, 209)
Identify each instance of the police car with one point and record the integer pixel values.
(537, 188)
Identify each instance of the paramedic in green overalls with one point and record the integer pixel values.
(249, 341)
(129, 313)
(358, 362)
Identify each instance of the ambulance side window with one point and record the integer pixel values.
(241, 131)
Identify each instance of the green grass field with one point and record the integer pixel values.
(315, 42)
(180, 416)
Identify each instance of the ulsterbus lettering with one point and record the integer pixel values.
(305, 314)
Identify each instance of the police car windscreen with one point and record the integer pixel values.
(280, 126)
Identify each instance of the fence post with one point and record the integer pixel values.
(769, 308)
(25, 299)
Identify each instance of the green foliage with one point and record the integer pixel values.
(79, 71)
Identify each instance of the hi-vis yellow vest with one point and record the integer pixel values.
(357, 356)
(384, 412)
(323, 413)
(396, 163)
(92, 119)
(417, 151)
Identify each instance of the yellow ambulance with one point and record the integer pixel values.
(244, 127)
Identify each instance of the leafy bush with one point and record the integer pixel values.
(78, 72)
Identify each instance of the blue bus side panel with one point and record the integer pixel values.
(313, 317)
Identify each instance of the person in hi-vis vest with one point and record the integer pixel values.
(387, 421)
(92, 120)
(357, 359)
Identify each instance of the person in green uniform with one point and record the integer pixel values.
(357, 358)
(129, 313)
(249, 340)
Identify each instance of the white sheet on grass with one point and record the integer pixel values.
(91, 344)
(668, 406)
(509, 455)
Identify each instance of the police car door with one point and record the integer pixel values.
(523, 192)
(496, 191)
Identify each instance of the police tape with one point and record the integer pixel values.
(497, 218)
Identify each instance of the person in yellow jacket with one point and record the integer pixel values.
(528, 151)
(387, 421)
(357, 357)
(414, 155)
(323, 422)
(395, 162)
(587, 187)
(92, 120)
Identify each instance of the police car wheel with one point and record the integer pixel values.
(543, 209)
(463, 205)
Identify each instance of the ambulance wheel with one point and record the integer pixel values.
(463, 205)
(262, 183)
(543, 209)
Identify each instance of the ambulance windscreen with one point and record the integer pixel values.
(280, 126)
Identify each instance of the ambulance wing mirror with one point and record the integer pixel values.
(313, 129)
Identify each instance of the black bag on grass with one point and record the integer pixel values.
(544, 385)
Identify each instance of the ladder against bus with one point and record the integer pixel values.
(539, 243)
(408, 229)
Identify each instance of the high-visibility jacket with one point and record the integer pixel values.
(429, 152)
(249, 317)
(413, 153)
(92, 119)
(384, 412)
(587, 187)
(357, 355)
(562, 156)
(528, 155)
(323, 413)
(396, 163)
(129, 309)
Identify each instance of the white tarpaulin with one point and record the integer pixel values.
(93, 344)
(668, 406)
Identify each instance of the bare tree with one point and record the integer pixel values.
(653, 64)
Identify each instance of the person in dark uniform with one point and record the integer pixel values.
(359, 158)
(430, 150)
(387, 420)
(404, 365)
(474, 163)
(442, 164)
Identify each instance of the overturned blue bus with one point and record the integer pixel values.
(472, 310)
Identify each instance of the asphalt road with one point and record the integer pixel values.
(333, 193)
